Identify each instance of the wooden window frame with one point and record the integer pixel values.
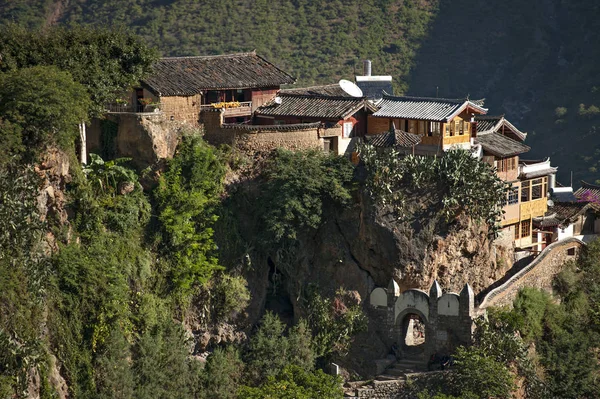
(347, 132)
(525, 228)
(512, 197)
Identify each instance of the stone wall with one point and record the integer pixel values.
(259, 138)
(394, 389)
(184, 109)
(448, 317)
(538, 274)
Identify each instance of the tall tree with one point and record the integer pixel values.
(105, 61)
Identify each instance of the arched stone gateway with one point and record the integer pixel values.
(431, 323)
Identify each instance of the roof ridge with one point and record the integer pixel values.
(387, 96)
(187, 57)
(585, 184)
(321, 96)
(489, 117)
(311, 87)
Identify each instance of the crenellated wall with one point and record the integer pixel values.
(448, 317)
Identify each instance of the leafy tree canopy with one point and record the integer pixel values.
(459, 182)
(39, 106)
(105, 61)
(187, 195)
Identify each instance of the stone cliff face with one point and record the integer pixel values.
(363, 247)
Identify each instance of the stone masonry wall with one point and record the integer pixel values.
(183, 109)
(538, 274)
(253, 141)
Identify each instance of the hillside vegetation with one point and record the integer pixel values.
(316, 41)
(538, 64)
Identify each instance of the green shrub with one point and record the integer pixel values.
(334, 322)
(229, 294)
(223, 374)
(459, 182)
(299, 185)
(479, 374)
(46, 103)
(294, 382)
(187, 196)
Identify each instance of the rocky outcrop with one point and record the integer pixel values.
(146, 138)
(54, 171)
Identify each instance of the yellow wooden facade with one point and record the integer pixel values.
(455, 132)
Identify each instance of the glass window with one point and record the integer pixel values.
(536, 189)
(447, 128)
(513, 196)
(525, 228)
(525, 191)
(348, 129)
(517, 231)
(434, 128)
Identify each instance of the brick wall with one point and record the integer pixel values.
(181, 109)
(538, 274)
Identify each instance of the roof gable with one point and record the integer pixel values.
(424, 108)
(183, 76)
(498, 124)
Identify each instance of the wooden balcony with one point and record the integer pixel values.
(535, 208)
(231, 109)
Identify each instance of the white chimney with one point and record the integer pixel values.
(367, 67)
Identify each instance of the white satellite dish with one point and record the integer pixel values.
(278, 100)
(550, 203)
(350, 88)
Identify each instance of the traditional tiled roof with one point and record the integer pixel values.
(182, 76)
(424, 108)
(564, 213)
(500, 145)
(532, 169)
(270, 128)
(496, 123)
(563, 195)
(314, 106)
(374, 87)
(392, 138)
(588, 192)
(333, 90)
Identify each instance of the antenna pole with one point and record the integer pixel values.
(437, 91)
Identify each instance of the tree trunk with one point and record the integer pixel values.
(82, 137)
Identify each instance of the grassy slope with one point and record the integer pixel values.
(526, 61)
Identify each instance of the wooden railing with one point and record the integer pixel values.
(131, 108)
(227, 105)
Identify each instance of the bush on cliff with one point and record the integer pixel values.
(456, 183)
(187, 197)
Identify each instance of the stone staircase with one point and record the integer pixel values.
(401, 368)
